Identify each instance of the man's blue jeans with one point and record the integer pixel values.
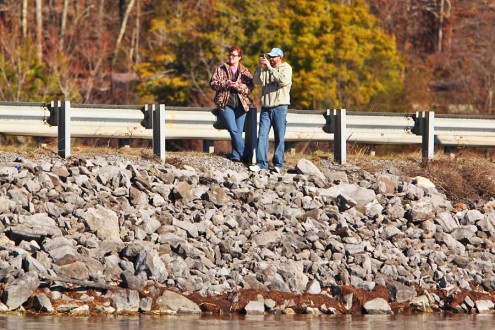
(276, 117)
(234, 121)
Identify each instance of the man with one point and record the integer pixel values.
(275, 78)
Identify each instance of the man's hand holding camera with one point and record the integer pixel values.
(264, 62)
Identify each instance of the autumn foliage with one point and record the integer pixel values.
(374, 55)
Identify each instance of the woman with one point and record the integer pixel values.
(233, 83)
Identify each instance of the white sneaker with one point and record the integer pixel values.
(254, 168)
(277, 169)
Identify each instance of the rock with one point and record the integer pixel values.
(63, 255)
(345, 202)
(463, 235)
(183, 190)
(217, 196)
(132, 282)
(19, 291)
(76, 270)
(146, 225)
(41, 303)
(189, 227)
(484, 306)
(255, 308)
(360, 195)
(267, 238)
(171, 303)
(145, 304)
(387, 183)
(421, 211)
(314, 287)
(104, 223)
(137, 197)
(306, 167)
(446, 222)
(288, 311)
(125, 301)
(421, 303)
(6, 205)
(423, 182)
(270, 304)
(471, 217)
(80, 310)
(377, 306)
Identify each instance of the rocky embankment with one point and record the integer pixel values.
(201, 234)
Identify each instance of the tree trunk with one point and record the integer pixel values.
(24, 17)
(122, 30)
(121, 9)
(101, 12)
(39, 29)
(63, 23)
(138, 29)
(440, 26)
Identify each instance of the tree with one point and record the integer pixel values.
(22, 76)
(340, 56)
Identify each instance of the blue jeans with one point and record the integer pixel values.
(234, 121)
(276, 117)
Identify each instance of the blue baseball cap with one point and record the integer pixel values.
(276, 52)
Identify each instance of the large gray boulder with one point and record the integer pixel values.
(377, 306)
(19, 291)
(104, 223)
(172, 303)
(125, 301)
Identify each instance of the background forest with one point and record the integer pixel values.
(365, 55)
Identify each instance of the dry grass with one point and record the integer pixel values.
(463, 179)
(467, 177)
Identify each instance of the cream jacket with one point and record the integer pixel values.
(275, 85)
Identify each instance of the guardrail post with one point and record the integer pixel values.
(251, 137)
(158, 124)
(148, 116)
(124, 143)
(290, 146)
(427, 129)
(63, 117)
(339, 119)
(208, 146)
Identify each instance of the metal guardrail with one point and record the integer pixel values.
(65, 120)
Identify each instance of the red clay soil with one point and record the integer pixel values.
(236, 301)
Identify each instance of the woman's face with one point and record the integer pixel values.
(234, 58)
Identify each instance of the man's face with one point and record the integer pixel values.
(275, 60)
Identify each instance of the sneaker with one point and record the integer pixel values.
(277, 169)
(254, 168)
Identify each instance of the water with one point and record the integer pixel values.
(296, 322)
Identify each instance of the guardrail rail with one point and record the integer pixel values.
(64, 120)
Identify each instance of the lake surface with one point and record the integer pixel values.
(416, 322)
